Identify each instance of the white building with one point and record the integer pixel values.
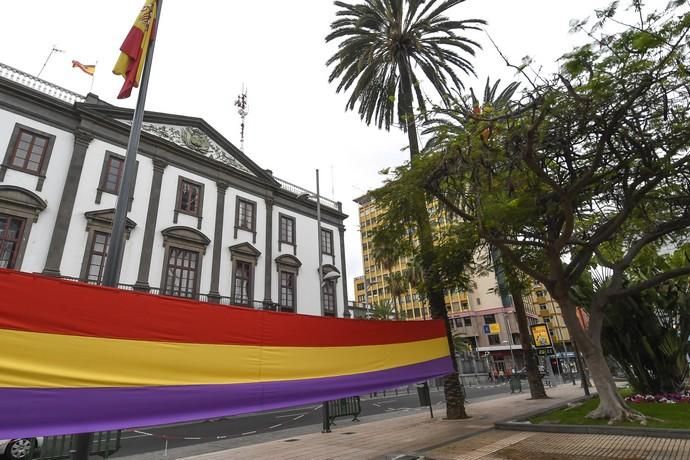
(205, 221)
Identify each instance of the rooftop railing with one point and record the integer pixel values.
(45, 87)
(303, 192)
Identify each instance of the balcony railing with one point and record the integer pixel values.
(45, 87)
(205, 298)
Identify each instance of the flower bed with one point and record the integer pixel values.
(663, 398)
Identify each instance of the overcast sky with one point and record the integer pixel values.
(208, 48)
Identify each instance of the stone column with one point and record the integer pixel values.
(69, 195)
(268, 259)
(142, 283)
(343, 271)
(214, 294)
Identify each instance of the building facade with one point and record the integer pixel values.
(205, 222)
(480, 317)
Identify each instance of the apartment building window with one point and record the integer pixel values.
(190, 199)
(98, 252)
(182, 273)
(111, 174)
(28, 151)
(287, 291)
(494, 339)
(360, 286)
(543, 306)
(286, 232)
(489, 319)
(479, 301)
(468, 322)
(245, 216)
(516, 338)
(329, 299)
(242, 284)
(540, 293)
(327, 242)
(11, 233)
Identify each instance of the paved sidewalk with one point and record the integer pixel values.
(401, 437)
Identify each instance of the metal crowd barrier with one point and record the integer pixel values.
(344, 407)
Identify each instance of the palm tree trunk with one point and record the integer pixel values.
(453, 389)
(536, 386)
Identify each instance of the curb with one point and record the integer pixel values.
(595, 429)
(521, 424)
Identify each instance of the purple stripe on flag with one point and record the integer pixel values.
(29, 412)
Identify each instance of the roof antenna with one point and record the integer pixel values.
(241, 104)
(52, 51)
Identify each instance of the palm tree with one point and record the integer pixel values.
(386, 44)
(397, 287)
(385, 47)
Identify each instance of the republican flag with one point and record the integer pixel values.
(130, 64)
(89, 69)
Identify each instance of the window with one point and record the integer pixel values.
(327, 242)
(181, 273)
(28, 152)
(243, 283)
(489, 319)
(542, 306)
(464, 305)
(245, 216)
(11, 232)
(360, 286)
(287, 291)
(329, 299)
(468, 322)
(494, 339)
(479, 301)
(111, 177)
(286, 230)
(97, 255)
(189, 197)
(516, 339)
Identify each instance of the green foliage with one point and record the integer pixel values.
(387, 47)
(382, 311)
(647, 332)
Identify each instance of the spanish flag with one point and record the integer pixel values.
(130, 64)
(89, 69)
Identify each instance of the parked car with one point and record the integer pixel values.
(20, 449)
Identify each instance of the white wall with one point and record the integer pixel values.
(41, 231)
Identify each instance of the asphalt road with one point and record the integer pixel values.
(267, 424)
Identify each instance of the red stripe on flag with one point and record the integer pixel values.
(131, 47)
(42, 304)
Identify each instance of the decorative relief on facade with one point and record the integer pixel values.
(195, 140)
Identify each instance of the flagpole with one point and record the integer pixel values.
(111, 272)
(93, 76)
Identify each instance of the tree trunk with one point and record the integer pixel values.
(611, 405)
(536, 386)
(454, 390)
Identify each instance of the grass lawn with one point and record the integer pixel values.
(673, 415)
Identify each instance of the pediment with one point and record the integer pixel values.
(20, 197)
(245, 249)
(288, 260)
(106, 216)
(186, 234)
(196, 140)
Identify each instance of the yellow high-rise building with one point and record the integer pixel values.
(479, 316)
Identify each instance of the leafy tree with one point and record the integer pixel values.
(397, 286)
(387, 51)
(590, 168)
(647, 332)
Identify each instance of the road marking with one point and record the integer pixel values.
(190, 438)
(377, 405)
(298, 417)
(248, 433)
(291, 415)
(275, 426)
(318, 407)
(145, 435)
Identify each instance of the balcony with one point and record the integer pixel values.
(545, 313)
